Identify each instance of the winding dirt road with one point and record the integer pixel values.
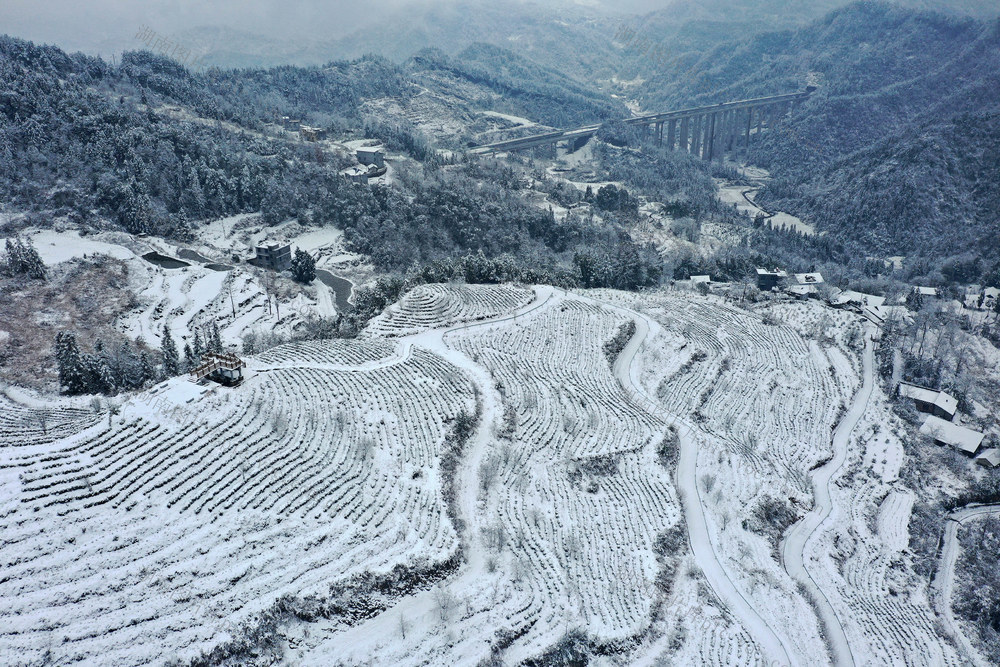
(774, 647)
(945, 577)
(794, 545)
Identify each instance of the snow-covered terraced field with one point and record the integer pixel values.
(37, 424)
(764, 400)
(436, 305)
(861, 560)
(151, 539)
(196, 509)
(579, 488)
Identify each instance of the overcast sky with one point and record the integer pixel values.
(91, 25)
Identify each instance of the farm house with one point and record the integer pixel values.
(368, 155)
(768, 280)
(813, 278)
(947, 433)
(275, 256)
(938, 403)
(989, 458)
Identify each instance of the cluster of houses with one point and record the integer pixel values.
(806, 286)
(371, 164)
(984, 299)
(307, 132)
(941, 408)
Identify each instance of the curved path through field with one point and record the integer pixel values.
(945, 577)
(794, 544)
(773, 646)
(416, 614)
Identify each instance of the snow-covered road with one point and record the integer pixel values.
(725, 588)
(794, 544)
(945, 577)
(417, 614)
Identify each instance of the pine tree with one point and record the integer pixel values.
(171, 363)
(23, 259)
(72, 375)
(199, 348)
(303, 267)
(189, 361)
(146, 371)
(99, 376)
(216, 343)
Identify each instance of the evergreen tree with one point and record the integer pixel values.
(171, 362)
(199, 347)
(146, 371)
(72, 375)
(100, 379)
(303, 267)
(189, 361)
(216, 340)
(23, 259)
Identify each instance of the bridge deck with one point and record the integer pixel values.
(646, 119)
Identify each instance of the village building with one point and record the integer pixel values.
(948, 433)
(803, 291)
(938, 403)
(291, 124)
(312, 133)
(926, 291)
(809, 278)
(989, 458)
(859, 299)
(371, 155)
(695, 280)
(274, 256)
(356, 174)
(768, 280)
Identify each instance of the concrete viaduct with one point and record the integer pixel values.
(708, 132)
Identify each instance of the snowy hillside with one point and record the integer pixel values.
(620, 483)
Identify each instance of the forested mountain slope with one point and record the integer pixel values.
(894, 148)
(507, 82)
(149, 148)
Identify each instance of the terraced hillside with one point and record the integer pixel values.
(430, 306)
(157, 536)
(651, 477)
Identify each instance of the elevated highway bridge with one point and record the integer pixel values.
(707, 131)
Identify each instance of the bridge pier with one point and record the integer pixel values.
(702, 125)
(708, 136)
(671, 133)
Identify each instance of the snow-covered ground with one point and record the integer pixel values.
(683, 496)
(239, 299)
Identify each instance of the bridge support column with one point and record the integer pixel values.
(749, 124)
(710, 138)
(659, 134)
(684, 135)
(671, 133)
(727, 135)
(696, 131)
